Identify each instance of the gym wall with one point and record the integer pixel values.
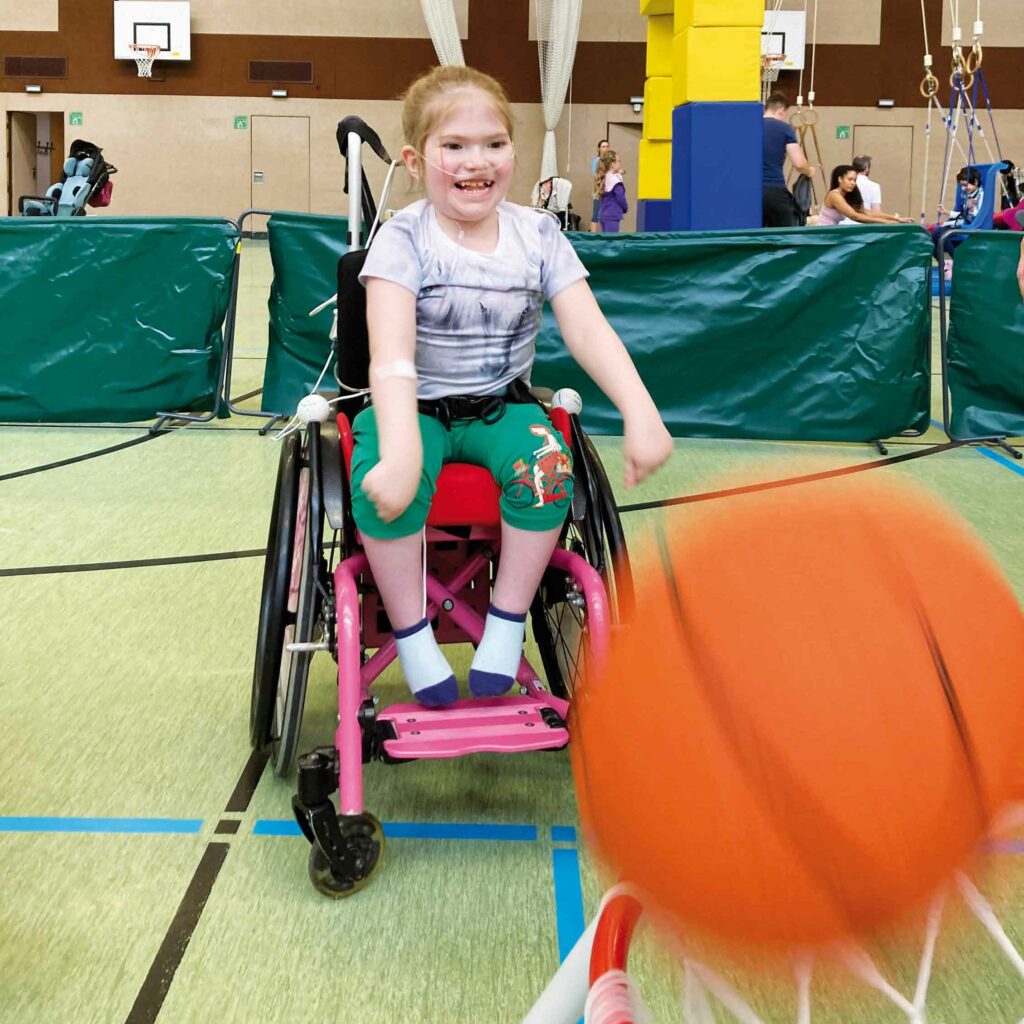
(179, 153)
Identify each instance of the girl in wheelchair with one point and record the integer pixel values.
(455, 284)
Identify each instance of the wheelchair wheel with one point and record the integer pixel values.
(274, 595)
(363, 835)
(593, 530)
(303, 613)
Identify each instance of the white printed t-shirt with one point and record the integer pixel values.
(477, 314)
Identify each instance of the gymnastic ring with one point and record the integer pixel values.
(966, 79)
(974, 59)
(811, 117)
(796, 119)
(929, 86)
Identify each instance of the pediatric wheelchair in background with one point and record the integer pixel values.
(85, 180)
(320, 596)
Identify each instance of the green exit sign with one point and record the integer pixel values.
(842, 131)
(242, 121)
(75, 117)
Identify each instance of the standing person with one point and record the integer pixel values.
(844, 200)
(455, 284)
(610, 192)
(778, 208)
(870, 191)
(595, 213)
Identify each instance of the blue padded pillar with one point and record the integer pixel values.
(717, 157)
(654, 215)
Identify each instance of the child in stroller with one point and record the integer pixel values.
(85, 180)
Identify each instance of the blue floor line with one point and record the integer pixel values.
(1001, 459)
(418, 830)
(565, 866)
(176, 826)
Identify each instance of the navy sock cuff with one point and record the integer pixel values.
(508, 616)
(401, 634)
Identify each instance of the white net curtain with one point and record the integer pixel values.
(558, 30)
(444, 31)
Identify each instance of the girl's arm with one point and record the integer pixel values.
(391, 320)
(594, 344)
(1020, 271)
(837, 202)
(620, 196)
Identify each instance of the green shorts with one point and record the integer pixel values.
(526, 456)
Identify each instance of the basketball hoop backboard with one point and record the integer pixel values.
(163, 23)
(785, 32)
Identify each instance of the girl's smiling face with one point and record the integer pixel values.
(467, 160)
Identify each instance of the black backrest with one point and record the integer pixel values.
(352, 347)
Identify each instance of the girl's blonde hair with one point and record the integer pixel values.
(604, 165)
(424, 107)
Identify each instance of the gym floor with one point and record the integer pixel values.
(149, 869)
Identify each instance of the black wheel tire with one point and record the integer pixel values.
(367, 834)
(293, 667)
(274, 595)
(593, 531)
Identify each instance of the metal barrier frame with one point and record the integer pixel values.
(183, 418)
(271, 418)
(999, 440)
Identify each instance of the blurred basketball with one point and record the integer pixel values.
(813, 718)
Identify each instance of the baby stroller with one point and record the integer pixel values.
(84, 181)
(320, 596)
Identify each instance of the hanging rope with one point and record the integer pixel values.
(806, 120)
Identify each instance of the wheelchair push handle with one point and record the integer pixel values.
(357, 126)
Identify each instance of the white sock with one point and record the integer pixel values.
(497, 658)
(426, 669)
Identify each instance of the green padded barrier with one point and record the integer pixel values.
(304, 249)
(805, 334)
(109, 319)
(985, 342)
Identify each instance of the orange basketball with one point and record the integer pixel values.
(814, 716)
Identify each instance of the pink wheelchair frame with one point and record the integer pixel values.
(463, 541)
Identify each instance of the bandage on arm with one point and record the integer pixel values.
(405, 368)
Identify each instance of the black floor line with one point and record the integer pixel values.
(686, 499)
(157, 983)
(769, 485)
(88, 455)
(138, 563)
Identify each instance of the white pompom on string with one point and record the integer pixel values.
(567, 399)
(313, 408)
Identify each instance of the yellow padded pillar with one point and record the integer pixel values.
(658, 109)
(649, 7)
(719, 13)
(716, 65)
(654, 179)
(659, 45)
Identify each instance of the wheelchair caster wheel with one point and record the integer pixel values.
(363, 836)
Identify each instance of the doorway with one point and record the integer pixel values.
(624, 138)
(280, 166)
(35, 154)
(891, 148)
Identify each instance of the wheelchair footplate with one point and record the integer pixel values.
(504, 725)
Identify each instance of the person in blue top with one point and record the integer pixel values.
(778, 208)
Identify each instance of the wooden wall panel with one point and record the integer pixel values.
(365, 68)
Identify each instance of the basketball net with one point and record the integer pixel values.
(144, 54)
(614, 998)
(771, 65)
